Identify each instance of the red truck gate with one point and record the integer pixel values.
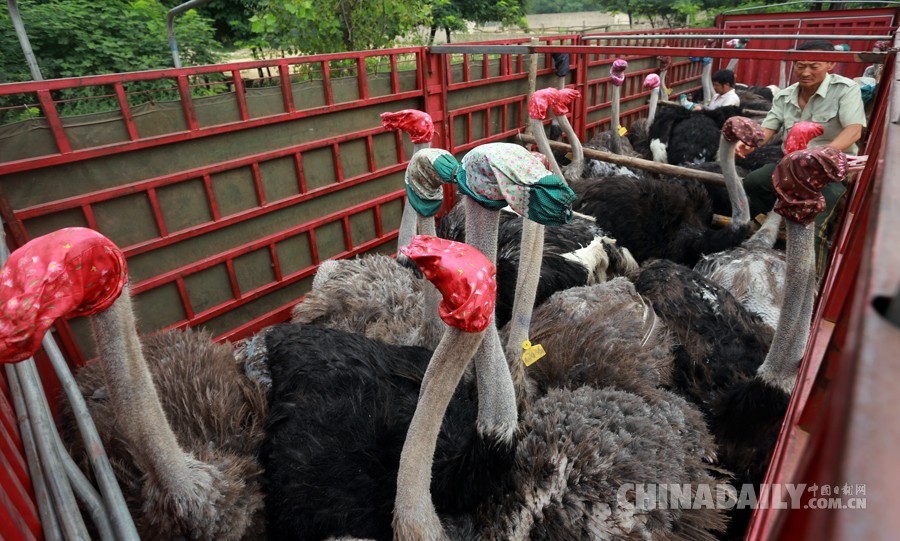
(224, 203)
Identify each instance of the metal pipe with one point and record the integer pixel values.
(767, 6)
(88, 496)
(70, 518)
(170, 26)
(841, 37)
(119, 516)
(30, 59)
(49, 523)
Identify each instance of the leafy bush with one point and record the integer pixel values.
(74, 38)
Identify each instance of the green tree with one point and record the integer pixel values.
(231, 18)
(452, 14)
(73, 38)
(326, 26)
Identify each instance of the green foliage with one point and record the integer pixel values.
(327, 26)
(562, 6)
(74, 38)
(231, 18)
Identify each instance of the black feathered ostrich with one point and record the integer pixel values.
(654, 218)
(184, 473)
(579, 452)
(639, 132)
(340, 482)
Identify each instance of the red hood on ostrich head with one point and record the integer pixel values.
(463, 275)
(73, 271)
(545, 99)
(800, 177)
(417, 124)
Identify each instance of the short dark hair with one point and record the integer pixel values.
(816, 45)
(724, 77)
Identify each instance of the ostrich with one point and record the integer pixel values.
(682, 137)
(420, 127)
(341, 481)
(573, 254)
(759, 402)
(655, 218)
(611, 138)
(662, 64)
(639, 133)
(754, 271)
(201, 483)
(579, 450)
(374, 295)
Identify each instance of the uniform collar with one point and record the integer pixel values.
(821, 91)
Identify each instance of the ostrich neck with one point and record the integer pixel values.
(654, 102)
(497, 414)
(576, 168)
(662, 85)
(789, 343)
(135, 399)
(408, 219)
(414, 513)
(530, 258)
(614, 121)
(732, 64)
(740, 207)
(432, 295)
(544, 146)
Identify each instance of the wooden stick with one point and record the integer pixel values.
(648, 165)
(750, 112)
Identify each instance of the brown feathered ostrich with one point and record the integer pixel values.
(184, 474)
(373, 295)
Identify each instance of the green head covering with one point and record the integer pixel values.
(500, 174)
(427, 171)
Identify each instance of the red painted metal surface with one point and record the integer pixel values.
(439, 80)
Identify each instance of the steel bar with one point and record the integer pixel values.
(829, 37)
(49, 524)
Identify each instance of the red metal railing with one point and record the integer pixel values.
(450, 88)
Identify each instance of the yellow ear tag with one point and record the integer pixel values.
(668, 91)
(622, 130)
(568, 155)
(532, 353)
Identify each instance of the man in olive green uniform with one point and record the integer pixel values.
(834, 102)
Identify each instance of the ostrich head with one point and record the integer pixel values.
(798, 181)
(651, 83)
(466, 281)
(617, 78)
(662, 64)
(559, 101)
(749, 132)
(420, 127)
(77, 271)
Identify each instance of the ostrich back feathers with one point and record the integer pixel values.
(604, 335)
(339, 410)
(577, 449)
(217, 415)
(721, 343)
(373, 296)
(654, 218)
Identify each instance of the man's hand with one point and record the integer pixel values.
(742, 149)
